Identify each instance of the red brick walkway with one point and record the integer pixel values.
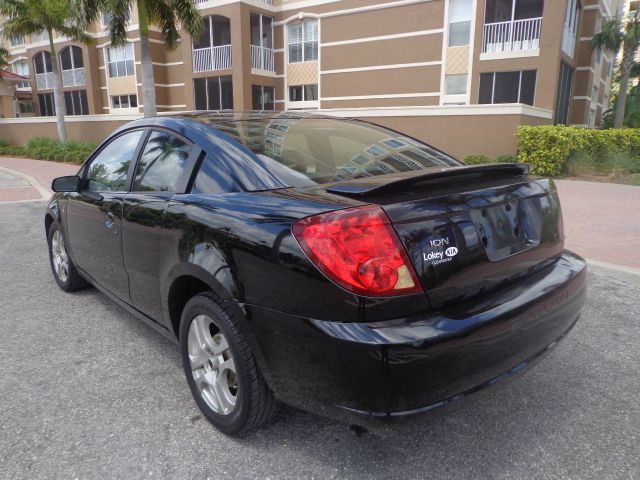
(26, 179)
(602, 220)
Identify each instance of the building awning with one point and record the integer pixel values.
(12, 77)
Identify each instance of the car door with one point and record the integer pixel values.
(164, 169)
(94, 214)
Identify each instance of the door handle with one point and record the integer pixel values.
(110, 219)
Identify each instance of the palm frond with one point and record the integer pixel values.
(610, 37)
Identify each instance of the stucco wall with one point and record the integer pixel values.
(459, 135)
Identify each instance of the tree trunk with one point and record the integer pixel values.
(146, 67)
(621, 102)
(58, 97)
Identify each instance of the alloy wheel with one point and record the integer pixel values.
(59, 257)
(212, 365)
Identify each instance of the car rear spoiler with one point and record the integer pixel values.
(393, 182)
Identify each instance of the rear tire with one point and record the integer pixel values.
(221, 370)
(64, 271)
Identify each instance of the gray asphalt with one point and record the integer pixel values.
(87, 391)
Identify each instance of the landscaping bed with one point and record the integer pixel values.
(48, 149)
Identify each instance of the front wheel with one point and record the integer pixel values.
(220, 368)
(64, 271)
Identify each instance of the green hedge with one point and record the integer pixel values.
(548, 148)
(48, 149)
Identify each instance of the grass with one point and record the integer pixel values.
(615, 168)
(47, 149)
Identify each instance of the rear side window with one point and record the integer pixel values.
(165, 165)
(109, 169)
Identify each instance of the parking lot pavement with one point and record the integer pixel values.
(87, 391)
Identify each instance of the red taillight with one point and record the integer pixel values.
(358, 249)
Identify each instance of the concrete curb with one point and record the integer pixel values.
(44, 193)
(627, 274)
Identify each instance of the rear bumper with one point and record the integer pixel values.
(410, 365)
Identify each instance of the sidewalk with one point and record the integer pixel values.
(601, 220)
(23, 179)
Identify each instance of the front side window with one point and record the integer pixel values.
(303, 93)
(213, 93)
(108, 171)
(508, 87)
(75, 102)
(263, 97)
(303, 41)
(164, 165)
(459, 22)
(120, 61)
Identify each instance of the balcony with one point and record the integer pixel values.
(262, 58)
(512, 36)
(73, 77)
(211, 58)
(45, 81)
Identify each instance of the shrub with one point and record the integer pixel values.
(3, 143)
(48, 149)
(555, 149)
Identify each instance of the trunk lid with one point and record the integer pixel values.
(469, 230)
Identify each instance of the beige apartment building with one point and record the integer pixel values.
(460, 74)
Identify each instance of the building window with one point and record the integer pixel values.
(105, 19)
(455, 89)
(508, 87)
(71, 58)
(563, 99)
(303, 93)
(303, 41)
(22, 68)
(263, 97)
(47, 108)
(120, 61)
(124, 101)
(75, 102)
(213, 93)
(16, 40)
(571, 17)
(41, 36)
(216, 32)
(42, 62)
(459, 22)
(261, 30)
(25, 107)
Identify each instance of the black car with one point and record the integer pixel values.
(333, 265)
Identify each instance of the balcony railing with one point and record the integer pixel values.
(513, 36)
(262, 58)
(212, 58)
(73, 77)
(44, 81)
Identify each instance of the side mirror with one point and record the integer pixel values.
(66, 184)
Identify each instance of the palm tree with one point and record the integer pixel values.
(27, 17)
(166, 14)
(620, 36)
(4, 58)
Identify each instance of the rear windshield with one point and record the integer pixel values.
(305, 151)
